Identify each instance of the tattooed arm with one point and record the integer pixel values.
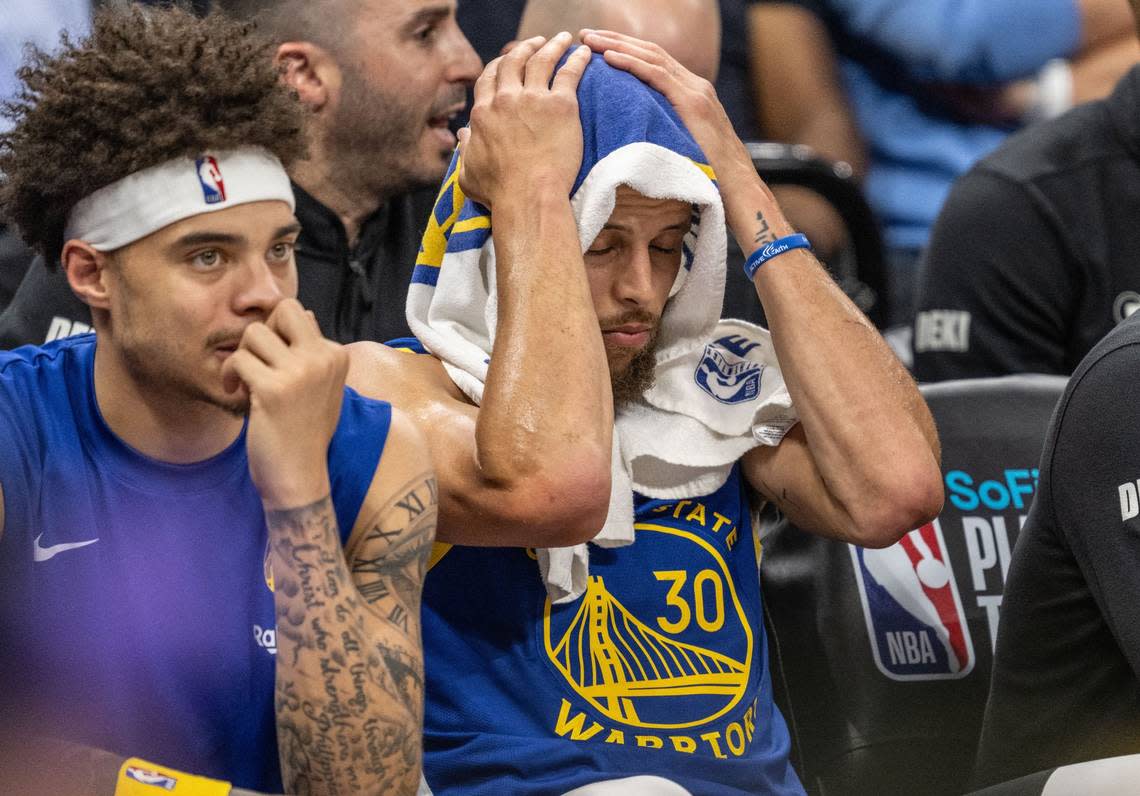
(349, 659)
(349, 695)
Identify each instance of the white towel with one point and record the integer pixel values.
(718, 391)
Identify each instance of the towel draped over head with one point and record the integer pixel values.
(718, 390)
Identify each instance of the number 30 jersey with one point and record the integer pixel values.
(660, 668)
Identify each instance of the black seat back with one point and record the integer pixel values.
(881, 658)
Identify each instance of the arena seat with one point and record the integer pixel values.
(881, 658)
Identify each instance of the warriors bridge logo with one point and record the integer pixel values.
(658, 650)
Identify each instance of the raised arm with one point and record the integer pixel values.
(862, 465)
(349, 694)
(531, 465)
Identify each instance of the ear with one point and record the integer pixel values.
(310, 71)
(86, 271)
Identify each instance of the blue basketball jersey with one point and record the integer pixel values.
(136, 605)
(660, 668)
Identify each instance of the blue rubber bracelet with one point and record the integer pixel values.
(774, 249)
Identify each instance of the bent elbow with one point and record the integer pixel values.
(558, 507)
(913, 499)
(579, 509)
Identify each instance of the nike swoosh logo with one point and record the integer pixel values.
(48, 553)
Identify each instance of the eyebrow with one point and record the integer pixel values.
(429, 14)
(228, 238)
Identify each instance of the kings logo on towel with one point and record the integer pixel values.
(726, 373)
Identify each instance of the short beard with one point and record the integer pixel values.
(638, 377)
(375, 138)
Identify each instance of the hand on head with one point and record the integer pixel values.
(524, 128)
(693, 97)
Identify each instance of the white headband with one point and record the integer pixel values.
(148, 200)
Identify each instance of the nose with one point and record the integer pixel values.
(464, 64)
(633, 284)
(259, 288)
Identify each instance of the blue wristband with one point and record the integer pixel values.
(774, 249)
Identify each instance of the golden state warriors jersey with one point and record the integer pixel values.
(659, 668)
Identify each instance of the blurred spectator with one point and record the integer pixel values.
(933, 86)
(381, 79)
(1034, 258)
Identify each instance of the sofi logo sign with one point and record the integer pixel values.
(1013, 489)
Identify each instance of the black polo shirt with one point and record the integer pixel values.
(1066, 676)
(356, 293)
(1036, 254)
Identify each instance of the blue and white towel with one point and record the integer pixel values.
(719, 391)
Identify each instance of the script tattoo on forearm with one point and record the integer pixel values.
(349, 694)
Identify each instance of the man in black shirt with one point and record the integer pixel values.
(1066, 674)
(381, 78)
(1034, 257)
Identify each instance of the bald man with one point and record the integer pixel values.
(688, 29)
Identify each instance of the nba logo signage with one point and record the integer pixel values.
(210, 177)
(153, 778)
(914, 615)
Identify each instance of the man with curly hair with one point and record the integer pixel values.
(211, 551)
(380, 80)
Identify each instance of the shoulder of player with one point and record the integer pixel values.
(399, 376)
(1099, 403)
(404, 482)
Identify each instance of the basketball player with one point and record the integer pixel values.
(211, 552)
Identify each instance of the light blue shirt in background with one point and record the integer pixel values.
(916, 156)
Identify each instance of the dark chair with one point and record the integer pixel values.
(881, 658)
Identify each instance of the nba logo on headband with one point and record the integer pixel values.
(210, 176)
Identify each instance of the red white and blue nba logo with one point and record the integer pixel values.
(914, 613)
(210, 176)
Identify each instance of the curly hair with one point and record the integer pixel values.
(146, 86)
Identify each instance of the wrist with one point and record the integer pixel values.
(754, 216)
(770, 251)
(294, 487)
(525, 193)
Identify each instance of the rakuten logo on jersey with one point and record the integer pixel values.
(266, 638)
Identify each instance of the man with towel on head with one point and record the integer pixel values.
(592, 618)
(211, 552)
